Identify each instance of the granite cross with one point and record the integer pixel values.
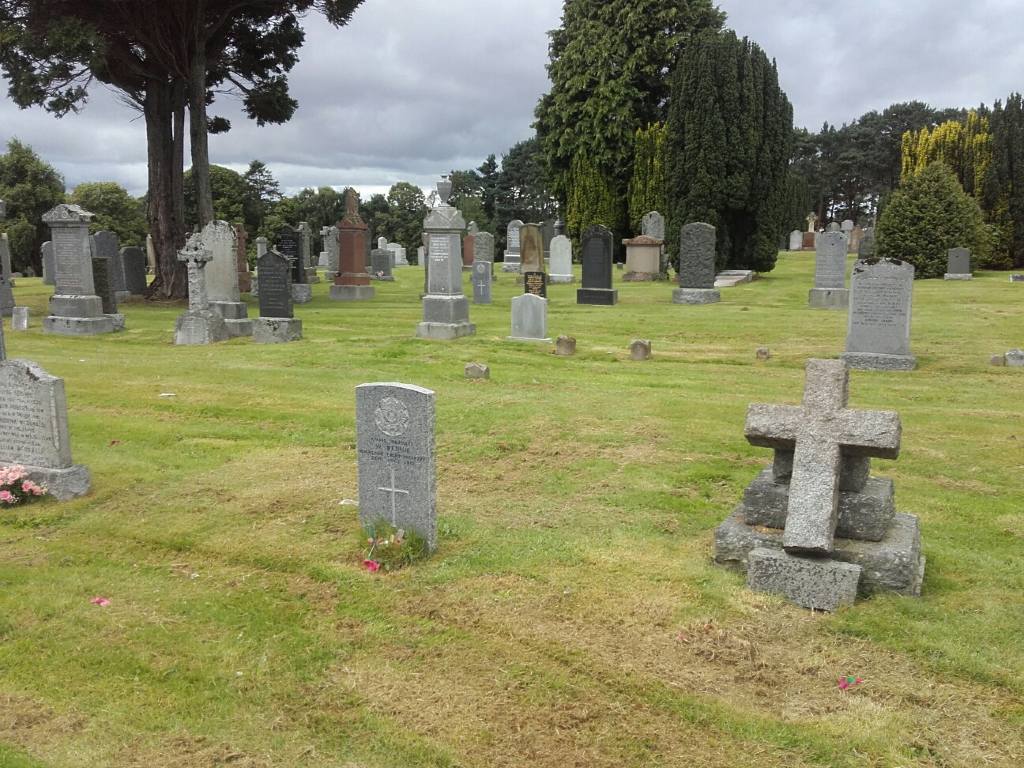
(820, 432)
(196, 258)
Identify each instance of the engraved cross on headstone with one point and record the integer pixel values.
(821, 432)
(196, 257)
(393, 490)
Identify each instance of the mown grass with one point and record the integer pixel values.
(572, 615)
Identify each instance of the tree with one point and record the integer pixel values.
(114, 209)
(403, 222)
(490, 174)
(522, 190)
(30, 188)
(591, 201)
(229, 194)
(647, 187)
(927, 216)
(1004, 192)
(728, 147)
(262, 193)
(370, 212)
(607, 67)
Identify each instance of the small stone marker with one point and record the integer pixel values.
(75, 309)
(134, 259)
(796, 240)
(763, 353)
(1015, 358)
(198, 325)
(565, 346)
(536, 283)
(530, 319)
(221, 276)
(477, 371)
(999, 360)
(643, 259)
(597, 269)
(1017, 278)
(513, 255)
(481, 282)
(959, 264)
(352, 282)
(397, 457)
(380, 265)
(398, 255)
(561, 260)
(818, 491)
(640, 350)
(34, 428)
(277, 323)
(829, 291)
(696, 266)
(47, 257)
(878, 325)
(445, 307)
(19, 319)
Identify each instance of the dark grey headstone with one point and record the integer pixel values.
(597, 258)
(289, 245)
(105, 246)
(6, 280)
(547, 230)
(397, 457)
(380, 264)
(866, 249)
(46, 253)
(881, 299)
(275, 293)
(697, 256)
(134, 259)
(101, 269)
(959, 261)
(830, 261)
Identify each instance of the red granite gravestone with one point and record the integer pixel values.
(353, 281)
(468, 243)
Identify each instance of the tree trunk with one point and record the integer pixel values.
(200, 139)
(165, 225)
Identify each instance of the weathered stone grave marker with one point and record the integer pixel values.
(199, 325)
(530, 319)
(221, 277)
(959, 264)
(878, 325)
(829, 291)
(513, 255)
(696, 266)
(445, 306)
(277, 322)
(481, 282)
(75, 309)
(561, 260)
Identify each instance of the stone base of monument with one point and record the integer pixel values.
(445, 331)
(352, 292)
(696, 296)
(511, 263)
(533, 341)
(236, 317)
(829, 298)
(200, 327)
(276, 330)
(62, 484)
(640, 277)
(597, 297)
(117, 321)
(385, 278)
(810, 582)
(329, 276)
(561, 279)
(958, 277)
(78, 326)
(312, 277)
(894, 564)
(122, 296)
(865, 361)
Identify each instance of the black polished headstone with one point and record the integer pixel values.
(104, 285)
(536, 283)
(597, 268)
(289, 245)
(134, 259)
(275, 285)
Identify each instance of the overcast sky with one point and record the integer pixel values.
(411, 88)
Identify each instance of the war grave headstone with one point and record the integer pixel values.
(306, 235)
(561, 260)
(134, 259)
(531, 254)
(352, 282)
(815, 526)
(547, 232)
(322, 263)
(959, 264)
(104, 245)
(380, 265)
(104, 287)
(513, 254)
(242, 259)
(199, 325)
(481, 282)
(421, 255)
(653, 225)
(331, 246)
(468, 252)
(530, 318)
(597, 269)
(696, 266)
(796, 240)
(878, 326)
(75, 309)
(643, 259)
(34, 428)
(445, 306)
(46, 255)
(829, 291)
(398, 255)
(6, 279)
(536, 283)
(221, 276)
(396, 450)
(483, 250)
(19, 319)
(277, 323)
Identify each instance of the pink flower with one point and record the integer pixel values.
(849, 682)
(100, 601)
(6, 497)
(371, 565)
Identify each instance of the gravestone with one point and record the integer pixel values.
(878, 325)
(696, 266)
(483, 250)
(277, 323)
(289, 244)
(473, 229)
(855, 237)
(561, 260)
(565, 346)
(445, 307)
(75, 309)
(134, 260)
(815, 526)
(481, 282)
(829, 291)
(513, 254)
(810, 240)
(796, 240)
(104, 245)
(104, 287)
(398, 255)
(468, 252)
(959, 264)
(34, 429)
(380, 265)
(640, 350)
(1014, 358)
(6, 278)
(1017, 278)
(643, 259)
(547, 233)
(306, 235)
(536, 283)
(261, 250)
(329, 257)
(531, 242)
(19, 319)
(812, 222)
(597, 269)
(46, 254)
(221, 277)
(352, 282)
(530, 318)
(833, 228)
(199, 325)
(653, 225)
(477, 371)
(396, 449)
(241, 259)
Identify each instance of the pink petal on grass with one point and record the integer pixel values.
(371, 565)
(101, 601)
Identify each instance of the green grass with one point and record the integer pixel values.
(572, 615)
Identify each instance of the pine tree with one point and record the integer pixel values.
(730, 133)
(591, 200)
(1004, 189)
(647, 187)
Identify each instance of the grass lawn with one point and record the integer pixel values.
(572, 615)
